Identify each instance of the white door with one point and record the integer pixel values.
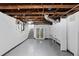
(39, 33)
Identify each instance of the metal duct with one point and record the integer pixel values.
(49, 19)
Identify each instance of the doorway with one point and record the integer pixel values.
(31, 31)
(39, 33)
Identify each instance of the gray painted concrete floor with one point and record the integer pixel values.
(33, 47)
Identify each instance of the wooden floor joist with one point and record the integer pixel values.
(36, 11)
(34, 6)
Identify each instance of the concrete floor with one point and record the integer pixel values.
(34, 47)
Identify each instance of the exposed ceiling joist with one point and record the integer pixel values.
(29, 17)
(21, 13)
(76, 8)
(34, 6)
(72, 9)
(35, 12)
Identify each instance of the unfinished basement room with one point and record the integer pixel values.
(39, 29)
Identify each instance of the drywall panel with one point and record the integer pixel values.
(77, 23)
(63, 34)
(58, 31)
(73, 33)
(9, 35)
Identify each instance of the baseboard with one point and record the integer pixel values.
(70, 52)
(48, 39)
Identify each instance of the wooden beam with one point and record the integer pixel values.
(71, 9)
(27, 13)
(76, 8)
(33, 17)
(8, 6)
(29, 17)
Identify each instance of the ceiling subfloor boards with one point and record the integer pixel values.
(36, 11)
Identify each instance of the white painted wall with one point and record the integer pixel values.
(62, 34)
(9, 35)
(30, 26)
(67, 33)
(73, 33)
(47, 31)
(58, 33)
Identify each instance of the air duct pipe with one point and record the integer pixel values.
(51, 20)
